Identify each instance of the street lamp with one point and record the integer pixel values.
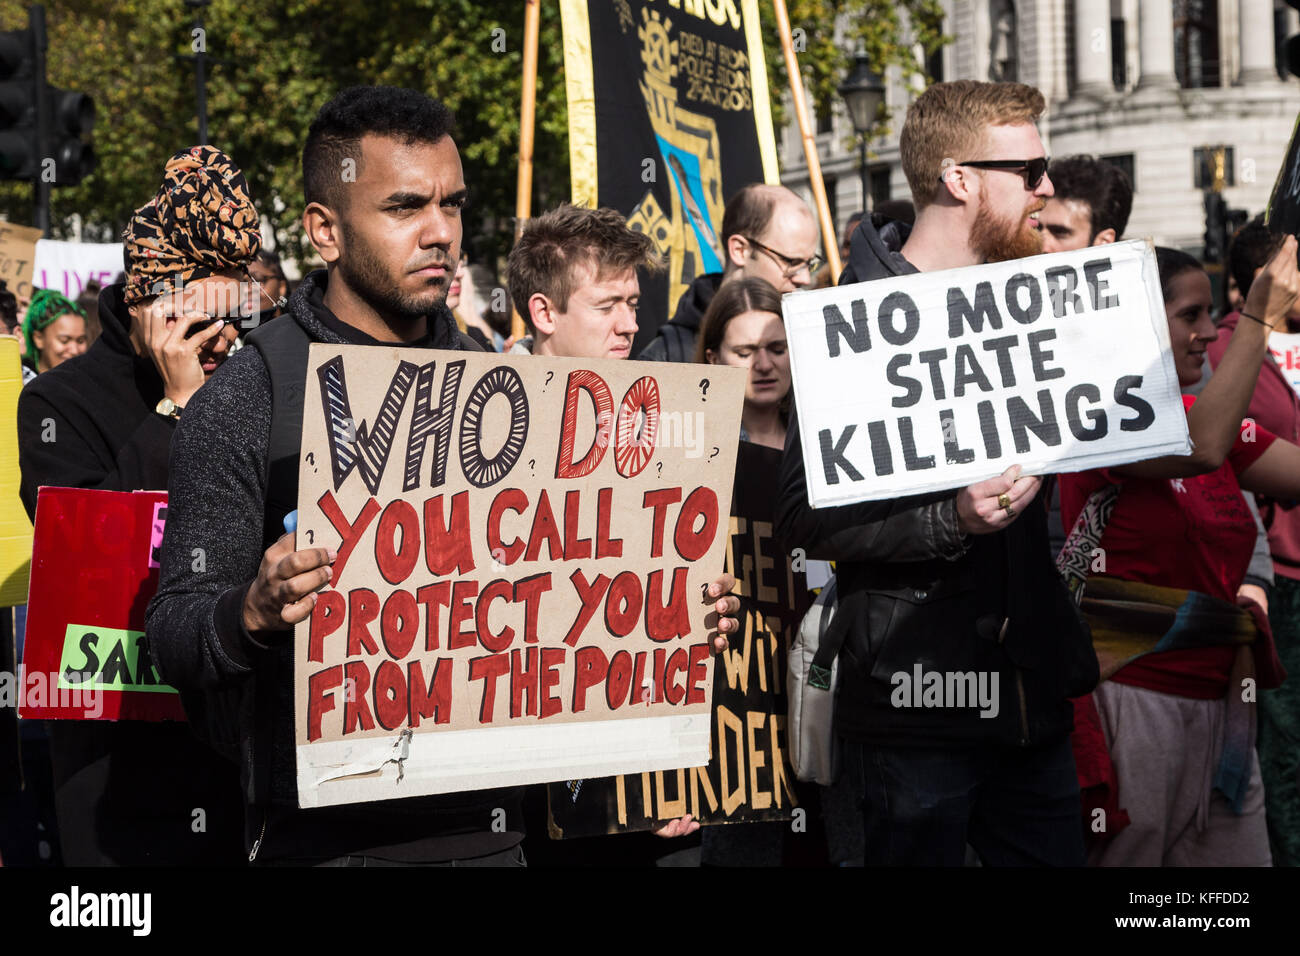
(864, 93)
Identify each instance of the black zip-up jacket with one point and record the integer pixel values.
(240, 685)
(125, 790)
(914, 591)
(675, 340)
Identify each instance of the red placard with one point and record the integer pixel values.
(94, 569)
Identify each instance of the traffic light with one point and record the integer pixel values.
(1216, 227)
(42, 128)
(71, 119)
(17, 105)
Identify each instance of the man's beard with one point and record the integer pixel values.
(368, 277)
(999, 240)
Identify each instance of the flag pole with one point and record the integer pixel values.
(829, 240)
(527, 113)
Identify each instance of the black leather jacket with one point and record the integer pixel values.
(917, 597)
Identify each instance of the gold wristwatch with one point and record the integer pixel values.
(169, 409)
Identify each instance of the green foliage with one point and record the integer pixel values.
(279, 60)
(876, 26)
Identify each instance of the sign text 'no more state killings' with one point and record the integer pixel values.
(933, 381)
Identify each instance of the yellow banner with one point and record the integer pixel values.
(15, 529)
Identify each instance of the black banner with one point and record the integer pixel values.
(668, 116)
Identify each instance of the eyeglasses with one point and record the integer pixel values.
(1034, 169)
(790, 267)
(275, 303)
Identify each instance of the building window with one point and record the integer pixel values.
(831, 185)
(1118, 62)
(1213, 167)
(1004, 45)
(1196, 43)
(934, 64)
(880, 192)
(825, 119)
(1125, 162)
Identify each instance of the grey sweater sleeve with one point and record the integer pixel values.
(212, 546)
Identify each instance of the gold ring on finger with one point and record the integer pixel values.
(1011, 512)
(1004, 502)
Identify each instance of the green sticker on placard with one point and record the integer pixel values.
(108, 659)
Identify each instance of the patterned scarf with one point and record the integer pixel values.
(1130, 620)
(201, 222)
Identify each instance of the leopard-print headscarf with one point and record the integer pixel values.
(202, 221)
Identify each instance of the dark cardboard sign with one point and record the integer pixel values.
(749, 776)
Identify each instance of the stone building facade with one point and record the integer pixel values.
(1176, 91)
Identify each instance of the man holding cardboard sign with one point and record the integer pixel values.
(948, 591)
(384, 186)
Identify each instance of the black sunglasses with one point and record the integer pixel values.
(1034, 169)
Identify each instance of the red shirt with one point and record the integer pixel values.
(1191, 533)
(1276, 406)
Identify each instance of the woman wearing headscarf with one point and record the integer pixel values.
(54, 330)
(128, 792)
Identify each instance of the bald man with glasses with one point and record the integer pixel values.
(768, 233)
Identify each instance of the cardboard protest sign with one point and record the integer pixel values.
(523, 549)
(67, 267)
(17, 257)
(15, 528)
(94, 570)
(749, 776)
(933, 381)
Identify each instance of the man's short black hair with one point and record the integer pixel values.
(1250, 248)
(335, 134)
(1102, 185)
(1172, 263)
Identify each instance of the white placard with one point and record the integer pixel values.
(1286, 352)
(934, 381)
(67, 267)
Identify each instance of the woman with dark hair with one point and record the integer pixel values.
(743, 327)
(1275, 406)
(54, 330)
(1178, 658)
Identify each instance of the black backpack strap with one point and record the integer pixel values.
(283, 344)
(832, 639)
